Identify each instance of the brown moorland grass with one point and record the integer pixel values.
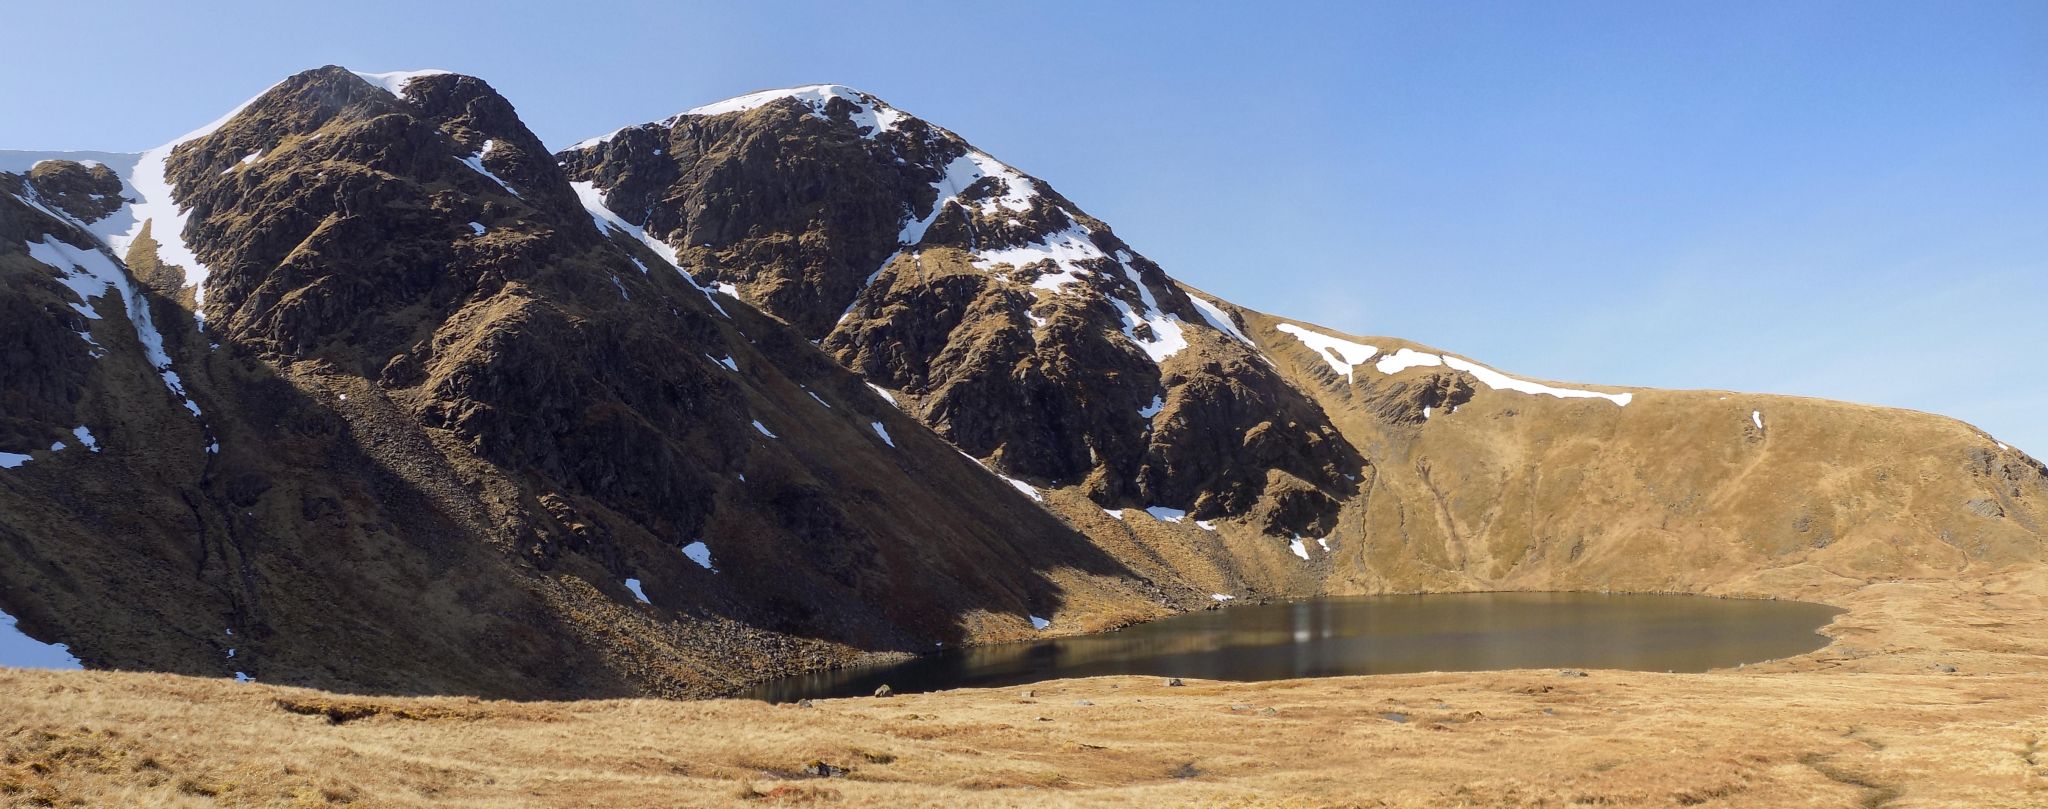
(1932, 693)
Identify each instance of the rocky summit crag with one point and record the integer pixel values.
(362, 388)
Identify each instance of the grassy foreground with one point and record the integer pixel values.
(1932, 694)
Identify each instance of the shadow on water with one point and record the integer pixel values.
(1371, 635)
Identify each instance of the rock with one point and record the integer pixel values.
(1570, 673)
(1028, 693)
(804, 703)
(1270, 712)
(885, 691)
(1394, 716)
(1240, 707)
(1946, 668)
(1083, 703)
(1174, 683)
(816, 768)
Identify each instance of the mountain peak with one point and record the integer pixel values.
(395, 81)
(868, 112)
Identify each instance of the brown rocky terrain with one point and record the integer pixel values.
(391, 400)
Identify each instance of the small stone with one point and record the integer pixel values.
(804, 703)
(1084, 703)
(816, 768)
(1028, 693)
(1240, 707)
(1174, 683)
(1570, 673)
(1946, 668)
(885, 691)
(1270, 712)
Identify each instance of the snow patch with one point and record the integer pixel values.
(13, 460)
(1404, 359)
(1148, 411)
(1114, 513)
(763, 428)
(727, 362)
(1342, 355)
(814, 395)
(1499, 381)
(701, 554)
(1221, 597)
(89, 273)
(395, 82)
(634, 585)
(1757, 417)
(882, 392)
(1218, 318)
(1021, 486)
(603, 217)
(156, 205)
(1164, 514)
(1063, 248)
(1205, 525)
(86, 439)
(869, 113)
(478, 227)
(1167, 338)
(246, 160)
(1039, 623)
(884, 433)
(1298, 548)
(476, 163)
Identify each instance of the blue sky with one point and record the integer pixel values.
(1846, 200)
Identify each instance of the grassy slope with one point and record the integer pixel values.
(1873, 719)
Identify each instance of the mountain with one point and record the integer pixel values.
(361, 388)
(1326, 462)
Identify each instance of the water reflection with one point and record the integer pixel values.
(1372, 635)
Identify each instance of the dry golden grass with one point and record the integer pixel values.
(1874, 719)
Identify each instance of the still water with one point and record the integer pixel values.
(1371, 635)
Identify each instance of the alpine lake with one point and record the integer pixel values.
(1341, 636)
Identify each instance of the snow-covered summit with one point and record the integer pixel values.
(395, 81)
(870, 113)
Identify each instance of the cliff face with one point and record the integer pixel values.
(1011, 323)
(360, 388)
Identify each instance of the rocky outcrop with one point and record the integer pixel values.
(1013, 324)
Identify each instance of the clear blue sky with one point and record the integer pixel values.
(1834, 199)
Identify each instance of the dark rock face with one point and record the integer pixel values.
(85, 193)
(447, 417)
(1020, 328)
(42, 354)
